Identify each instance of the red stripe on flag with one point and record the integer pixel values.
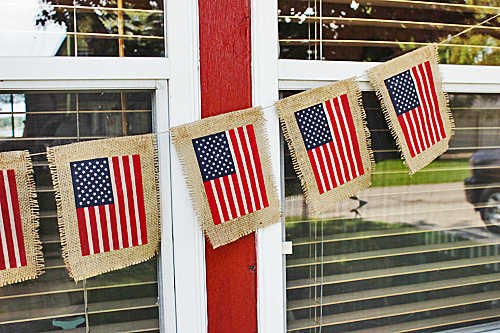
(7, 222)
(140, 198)
(2, 260)
(336, 127)
(82, 229)
(239, 195)
(114, 226)
(353, 134)
(345, 136)
(120, 201)
(256, 158)
(104, 228)
(17, 216)
(240, 170)
(413, 132)
(327, 176)
(230, 197)
(406, 132)
(220, 196)
(430, 80)
(315, 170)
(329, 164)
(93, 229)
(250, 170)
(212, 203)
(426, 107)
(130, 199)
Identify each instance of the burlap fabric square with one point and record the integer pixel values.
(108, 203)
(20, 248)
(329, 142)
(228, 172)
(415, 106)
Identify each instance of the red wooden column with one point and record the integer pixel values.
(226, 85)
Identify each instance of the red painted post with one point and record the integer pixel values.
(226, 85)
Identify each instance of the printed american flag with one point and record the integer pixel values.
(414, 98)
(12, 252)
(109, 203)
(330, 138)
(231, 170)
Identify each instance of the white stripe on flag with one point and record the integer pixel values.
(117, 206)
(216, 196)
(349, 137)
(238, 171)
(433, 111)
(340, 130)
(337, 151)
(235, 197)
(334, 166)
(255, 176)
(239, 146)
(89, 230)
(108, 225)
(125, 200)
(226, 200)
(316, 161)
(425, 110)
(99, 228)
(327, 171)
(412, 146)
(414, 130)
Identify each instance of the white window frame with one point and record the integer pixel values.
(308, 74)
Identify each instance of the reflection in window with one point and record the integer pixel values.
(119, 28)
(417, 253)
(119, 301)
(12, 115)
(382, 30)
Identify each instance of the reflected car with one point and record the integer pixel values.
(482, 188)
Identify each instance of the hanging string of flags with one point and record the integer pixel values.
(107, 191)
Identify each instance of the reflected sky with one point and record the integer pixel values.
(19, 34)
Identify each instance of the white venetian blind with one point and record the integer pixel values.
(121, 301)
(409, 254)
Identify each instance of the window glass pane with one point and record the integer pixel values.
(381, 30)
(123, 300)
(409, 253)
(117, 28)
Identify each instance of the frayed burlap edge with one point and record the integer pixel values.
(229, 231)
(20, 162)
(83, 267)
(286, 109)
(379, 73)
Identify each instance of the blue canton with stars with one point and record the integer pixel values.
(313, 126)
(214, 156)
(403, 93)
(91, 183)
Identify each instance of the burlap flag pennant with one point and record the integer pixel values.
(415, 106)
(20, 248)
(329, 142)
(228, 171)
(108, 203)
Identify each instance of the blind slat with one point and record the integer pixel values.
(393, 271)
(397, 310)
(398, 251)
(394, 291)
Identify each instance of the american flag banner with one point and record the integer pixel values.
(227, 166)
(328, 140)
(416, 108)
(109, 203)
(20, 247)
